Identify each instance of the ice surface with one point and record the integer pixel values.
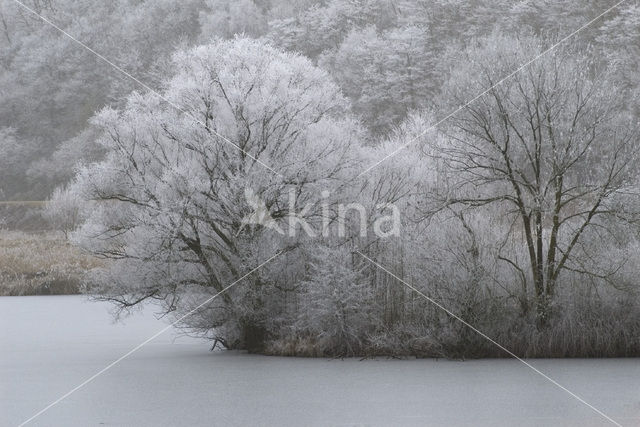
(49, 345)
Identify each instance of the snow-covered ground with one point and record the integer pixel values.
(49, 345)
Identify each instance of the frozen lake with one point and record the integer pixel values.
(49, 345)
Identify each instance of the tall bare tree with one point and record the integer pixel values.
(553, 147)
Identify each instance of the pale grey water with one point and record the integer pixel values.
(49, 345)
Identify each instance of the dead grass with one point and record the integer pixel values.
(41, 264)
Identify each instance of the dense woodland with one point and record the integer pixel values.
(518, 187)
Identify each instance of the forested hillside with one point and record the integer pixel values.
(388, 56)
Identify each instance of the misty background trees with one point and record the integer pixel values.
(388, 56)
(519, 212)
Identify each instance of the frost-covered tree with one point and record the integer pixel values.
(227, 18)
(386, 75)
(619, 40)
(63, 210)
(244, 118)
(338, 308)
(323, 26)
(554, 148)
